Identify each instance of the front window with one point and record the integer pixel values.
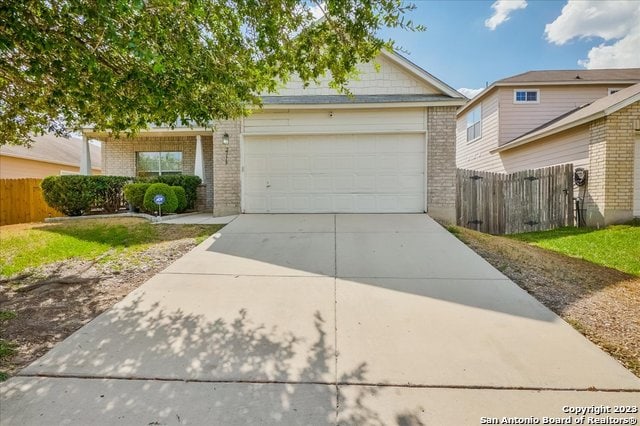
(158, 163)
(474, 124)
(526, 96)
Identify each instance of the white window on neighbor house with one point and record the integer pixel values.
(612, 91)
(474, 124)
(526, 96)
(158, 163)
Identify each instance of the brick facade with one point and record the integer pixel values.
(441, 163)
(226, 169)
(223, 162)
(119, 157)
(611, 152)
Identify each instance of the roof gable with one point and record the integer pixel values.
(560, 77)
(388, 74)
(581, 115)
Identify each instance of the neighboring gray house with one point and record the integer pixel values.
(390, 148)
(589, 118)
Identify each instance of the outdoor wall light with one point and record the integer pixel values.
(225, 139)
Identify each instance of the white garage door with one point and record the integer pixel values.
(334, 173)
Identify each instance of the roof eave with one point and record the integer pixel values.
(421, 73)
(542, 134)
(365, 105)
(44, 160)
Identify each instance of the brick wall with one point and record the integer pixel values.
(119, 156)
(611, 153)
(226, 169)
(441, 163)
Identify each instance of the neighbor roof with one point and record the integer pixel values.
(53, 149)
(562, 77)
(565, 76)
(584, 114)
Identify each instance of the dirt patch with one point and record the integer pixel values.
(601, 303)
(49, 313)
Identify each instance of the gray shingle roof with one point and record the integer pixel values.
(558, 76)
(344, 99)
(54, 149)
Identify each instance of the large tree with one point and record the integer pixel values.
(122, 64)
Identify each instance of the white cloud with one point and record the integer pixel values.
(501, 11)
(617, 21)
(470, 93)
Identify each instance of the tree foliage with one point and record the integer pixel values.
(120, 65)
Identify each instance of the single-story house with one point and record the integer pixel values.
(388, 148)
(48, 155)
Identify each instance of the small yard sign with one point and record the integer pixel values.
(159, 200)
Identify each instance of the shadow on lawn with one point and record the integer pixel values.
(241, 372)
(128, 232)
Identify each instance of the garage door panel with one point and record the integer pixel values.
(322, 164)
(410, 162)
(334, 173)
(343, 184)
(323, 183)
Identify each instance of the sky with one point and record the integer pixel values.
(469, 44)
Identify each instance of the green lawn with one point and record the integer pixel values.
(27, 246)
(616, 246)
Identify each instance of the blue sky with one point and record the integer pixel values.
(461, 48)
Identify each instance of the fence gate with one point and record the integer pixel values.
(529, 200)
(21, 201)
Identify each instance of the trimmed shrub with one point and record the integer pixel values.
(170, 200)
(134, 194)
(107, 191)
(182, 198)
(73, 195)
(188, 182)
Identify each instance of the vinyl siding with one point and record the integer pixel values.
(18, 168)
(475, 155)
(517, 119)
(337, 121)
(379, 77)
(571, 146)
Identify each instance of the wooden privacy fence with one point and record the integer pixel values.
(21, 201)
(530, 200)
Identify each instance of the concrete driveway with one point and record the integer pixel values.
(321, 319)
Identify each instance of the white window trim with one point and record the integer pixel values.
(537, 101)
(171, 172)
(479, 107)
(612, 90)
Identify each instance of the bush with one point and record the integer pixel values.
(107, 191)
(182, 198)
(170, 200)
(75, 195)
(71, 195)
(188, 182)
(134, 194)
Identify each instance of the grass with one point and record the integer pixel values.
(26, 246)
(616, 246)
(7, 349)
